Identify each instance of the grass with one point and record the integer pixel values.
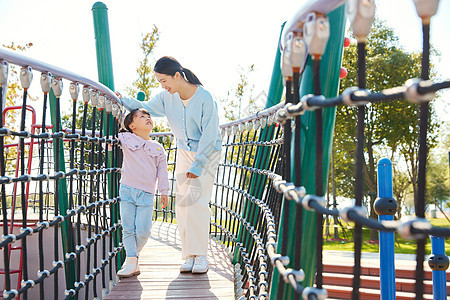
(345, 242)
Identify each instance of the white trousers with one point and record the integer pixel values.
(192, 199)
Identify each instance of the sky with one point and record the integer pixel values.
(216, 40)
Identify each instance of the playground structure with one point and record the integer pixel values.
(268, 202)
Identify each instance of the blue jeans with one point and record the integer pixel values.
(136, 211)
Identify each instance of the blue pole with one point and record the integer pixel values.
(439, 274)
(386, 206)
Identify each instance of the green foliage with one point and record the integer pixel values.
(236, 105)
(391, 127)
(146, 80)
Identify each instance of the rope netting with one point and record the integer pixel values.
(59, 188)
(265, 157)
(65, 181)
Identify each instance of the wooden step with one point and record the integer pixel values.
(373, 282)
(371, 271)
(345, 292)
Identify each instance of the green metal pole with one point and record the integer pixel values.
(273, 98)
(67, 242)
(105, 76)
(329, 76)
(140, 96)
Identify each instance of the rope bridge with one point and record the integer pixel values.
(267, 210)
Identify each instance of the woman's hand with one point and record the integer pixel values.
(164, 200)
(191, 175)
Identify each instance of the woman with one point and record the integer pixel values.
(193, 118)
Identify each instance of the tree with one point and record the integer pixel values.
(236, 105)
(387, 131)
(146, 80)
(438, 170)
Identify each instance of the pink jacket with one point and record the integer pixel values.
(144, 162)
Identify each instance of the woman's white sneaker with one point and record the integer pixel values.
(200, 264)
(187, 265)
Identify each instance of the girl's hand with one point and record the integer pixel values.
(191, 175)
(164, 200)
(118, 95)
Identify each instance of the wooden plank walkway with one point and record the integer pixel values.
(160, 277)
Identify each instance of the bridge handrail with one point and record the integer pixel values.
(24, 61)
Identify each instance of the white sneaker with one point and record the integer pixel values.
(130, 268)
(187, 265)
(200, 265)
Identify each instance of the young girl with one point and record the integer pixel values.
(144, 164)
(193, 118)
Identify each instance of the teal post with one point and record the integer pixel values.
(105, 76)
(329, 76)
(67, 242)
(140, 96)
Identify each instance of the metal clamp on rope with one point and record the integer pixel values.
(74, 90)
(114, 109)
(316, 32)
(88, 277)
(282, 115)
(286, 68)
(408, 225)
(58, 218)
(86, 94)
(298, 53)
(277, 183)
(71, 255)
(283, 259)
(43, 272)
(27, 230)
(46, 82)
(71, 212)
(426, 9)
(94, 98)
(412, 91)
(304, 101)
(6, 294)
(69, 292)
(79, 283)
(25, 282)
(80, 248)
(58, 175)
(101, 102)
(299, 275)
(58, 264)
(12, 236)
(96, 270)
(295, 110)
(108, 105)
(57, 86)
(26, 76)
(44, 224)
(3, 72)
(5, 131)
(5, 179)
(308, 198)
(360, 14)
(42, 177)
(357, 209)
(321, 294)
(286, 190)
(348, 94)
